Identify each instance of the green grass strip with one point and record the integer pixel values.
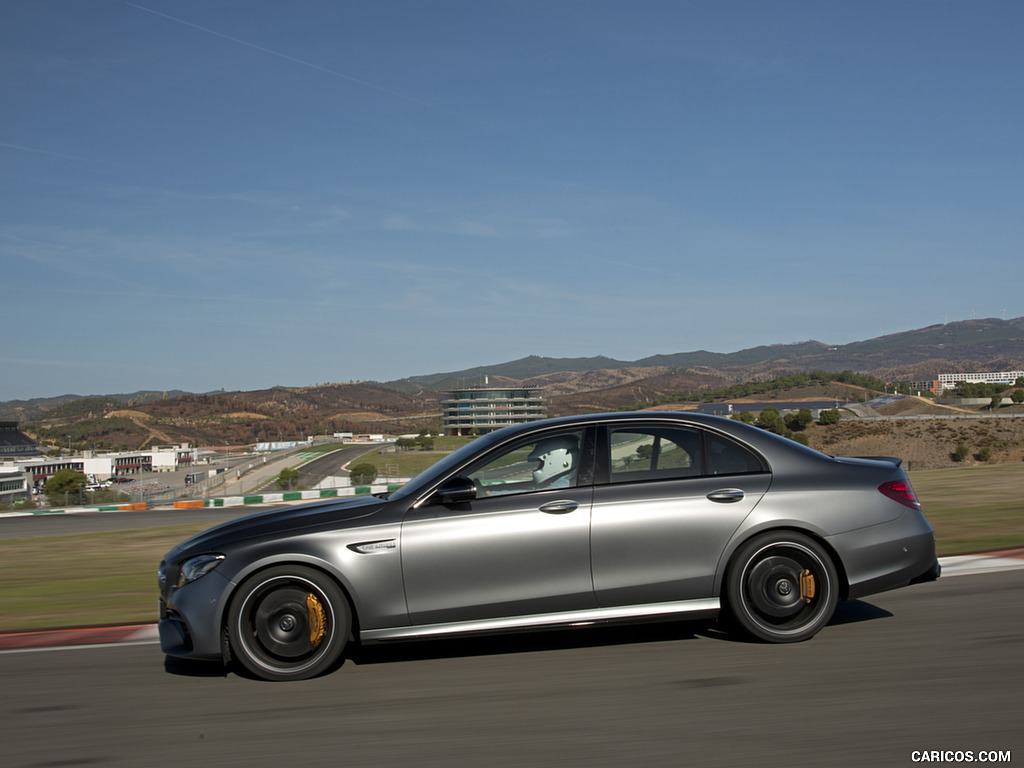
(110, 578)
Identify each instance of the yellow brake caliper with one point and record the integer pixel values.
(317, 620)
(807, 586)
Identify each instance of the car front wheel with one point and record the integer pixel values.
(782, 587)
(288, 623)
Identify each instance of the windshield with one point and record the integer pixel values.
(428, 476)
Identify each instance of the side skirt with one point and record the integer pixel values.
(695, 609)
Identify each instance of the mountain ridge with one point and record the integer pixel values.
(1003, 339)
(572, 385)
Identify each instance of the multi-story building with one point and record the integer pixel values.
(13, 484)
(950, 380)
(483, 409)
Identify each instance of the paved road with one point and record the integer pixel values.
(96, 522)
(330, 465)
(935, 666)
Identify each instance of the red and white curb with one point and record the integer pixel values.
(137, 634)
(146, 634)
(989, 562)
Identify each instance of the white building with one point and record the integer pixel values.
(13, 484)
(476, 410)
(101, 465)
(1008, 378)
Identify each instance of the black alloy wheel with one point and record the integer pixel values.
(782, 587)
(288, 623)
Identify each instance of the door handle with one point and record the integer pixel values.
(726, 495)
(559, 507)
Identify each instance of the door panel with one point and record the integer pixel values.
(499, 556)
(660, 541)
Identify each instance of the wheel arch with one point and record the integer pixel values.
(728, 560)
(257, 568)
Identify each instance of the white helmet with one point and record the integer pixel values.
(556, 455)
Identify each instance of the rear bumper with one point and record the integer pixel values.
(931, 574)
(888, 556)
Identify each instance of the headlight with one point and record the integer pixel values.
(197, 567)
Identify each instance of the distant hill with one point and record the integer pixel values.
(525, 368)
(952, 347)
(21, 410)
(572, 385)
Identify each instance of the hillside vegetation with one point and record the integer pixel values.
(807, 371)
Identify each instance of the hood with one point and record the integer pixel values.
(281, 521)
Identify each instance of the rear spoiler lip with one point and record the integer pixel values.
(896, 461)
(891, 459)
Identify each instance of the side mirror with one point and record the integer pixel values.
(456, 490)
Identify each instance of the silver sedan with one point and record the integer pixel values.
(641, 516)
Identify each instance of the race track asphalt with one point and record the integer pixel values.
(935, 666)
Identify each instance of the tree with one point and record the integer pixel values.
(1017, 396)
(288, 479)
(830, 416)
(362, 474)
(997, 400)
(64, 481)
(961, 452)
(421, 443)
(799, 420)
(771, 420)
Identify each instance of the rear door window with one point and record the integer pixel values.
(638, 453)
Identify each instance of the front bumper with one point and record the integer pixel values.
(191, 617)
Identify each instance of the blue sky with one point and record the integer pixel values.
(206, 194)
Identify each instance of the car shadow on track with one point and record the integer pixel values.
(194, 668)
(855, 611)
(848, 612)
(524, 642)
(480, 645)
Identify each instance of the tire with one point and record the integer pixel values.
(782, 587)
(288, 623)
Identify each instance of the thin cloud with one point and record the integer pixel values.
(300, 62)
(34, 150)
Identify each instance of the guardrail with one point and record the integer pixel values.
(281, 497)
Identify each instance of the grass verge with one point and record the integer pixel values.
(85, 579)
(973, 509)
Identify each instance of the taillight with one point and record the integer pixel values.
(900, 490)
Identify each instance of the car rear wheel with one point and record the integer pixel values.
(288, 623)
(782, 587)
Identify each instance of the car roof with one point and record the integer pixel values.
(776, 448)
(600, 418)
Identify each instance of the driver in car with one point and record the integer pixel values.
(558, 461)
